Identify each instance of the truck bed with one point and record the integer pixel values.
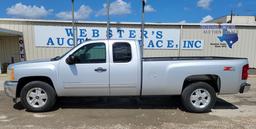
(166, 75)
(189, 58)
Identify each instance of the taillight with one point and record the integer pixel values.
(245, 72)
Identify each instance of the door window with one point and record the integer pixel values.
(91, 53)
(122, 53)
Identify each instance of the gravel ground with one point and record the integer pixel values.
(231, 111)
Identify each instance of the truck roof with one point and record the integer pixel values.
(117, 40)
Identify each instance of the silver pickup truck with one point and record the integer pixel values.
(115, 68)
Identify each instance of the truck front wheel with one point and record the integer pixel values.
(38, 96)
(198, 97)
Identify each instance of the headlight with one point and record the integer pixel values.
(10, 74)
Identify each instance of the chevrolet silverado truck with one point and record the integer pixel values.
(116, 68)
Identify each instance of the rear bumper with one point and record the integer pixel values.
(245, 87)
(10, 88)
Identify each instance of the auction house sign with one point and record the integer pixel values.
(60, 36)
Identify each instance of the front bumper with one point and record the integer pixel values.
(245, 87)
(10, 88)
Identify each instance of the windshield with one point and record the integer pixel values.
(59, 57)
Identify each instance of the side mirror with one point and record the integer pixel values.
(71, 60)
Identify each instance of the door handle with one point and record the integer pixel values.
(100, 69)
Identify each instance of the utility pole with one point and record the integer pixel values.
(142, 42)
(73, 23)
(142, 27)
(108, 22)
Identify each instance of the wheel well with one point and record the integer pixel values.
(23, 81)
(213, 80)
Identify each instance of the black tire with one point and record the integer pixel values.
(187, 101)
(48, 89)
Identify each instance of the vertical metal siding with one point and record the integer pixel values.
(32, 52)
(9, 48)
(245, 47)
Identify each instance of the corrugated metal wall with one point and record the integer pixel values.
(32, 52)
(245, 47)
(9, 48)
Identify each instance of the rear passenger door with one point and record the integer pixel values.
(124, 69)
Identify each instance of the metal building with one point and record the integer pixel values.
(22, 39)
(235, 19)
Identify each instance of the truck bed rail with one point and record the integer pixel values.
(189, 58)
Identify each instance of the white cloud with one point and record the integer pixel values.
(149, 8)
(118, 7)
(183, 21)
(206, 18)
(81, 14)
(28, 11)
(205, 4)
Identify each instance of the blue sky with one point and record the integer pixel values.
(127, 10)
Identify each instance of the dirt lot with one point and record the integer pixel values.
(231, 111)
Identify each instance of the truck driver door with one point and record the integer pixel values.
(90, 74)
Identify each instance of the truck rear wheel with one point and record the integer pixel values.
(38, 96)
(198, 97)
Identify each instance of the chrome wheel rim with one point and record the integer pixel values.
(36, 97)
(200, 98)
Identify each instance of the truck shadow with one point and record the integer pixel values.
(162, 102)
(223, 104)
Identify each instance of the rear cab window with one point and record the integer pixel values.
(122, 52)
